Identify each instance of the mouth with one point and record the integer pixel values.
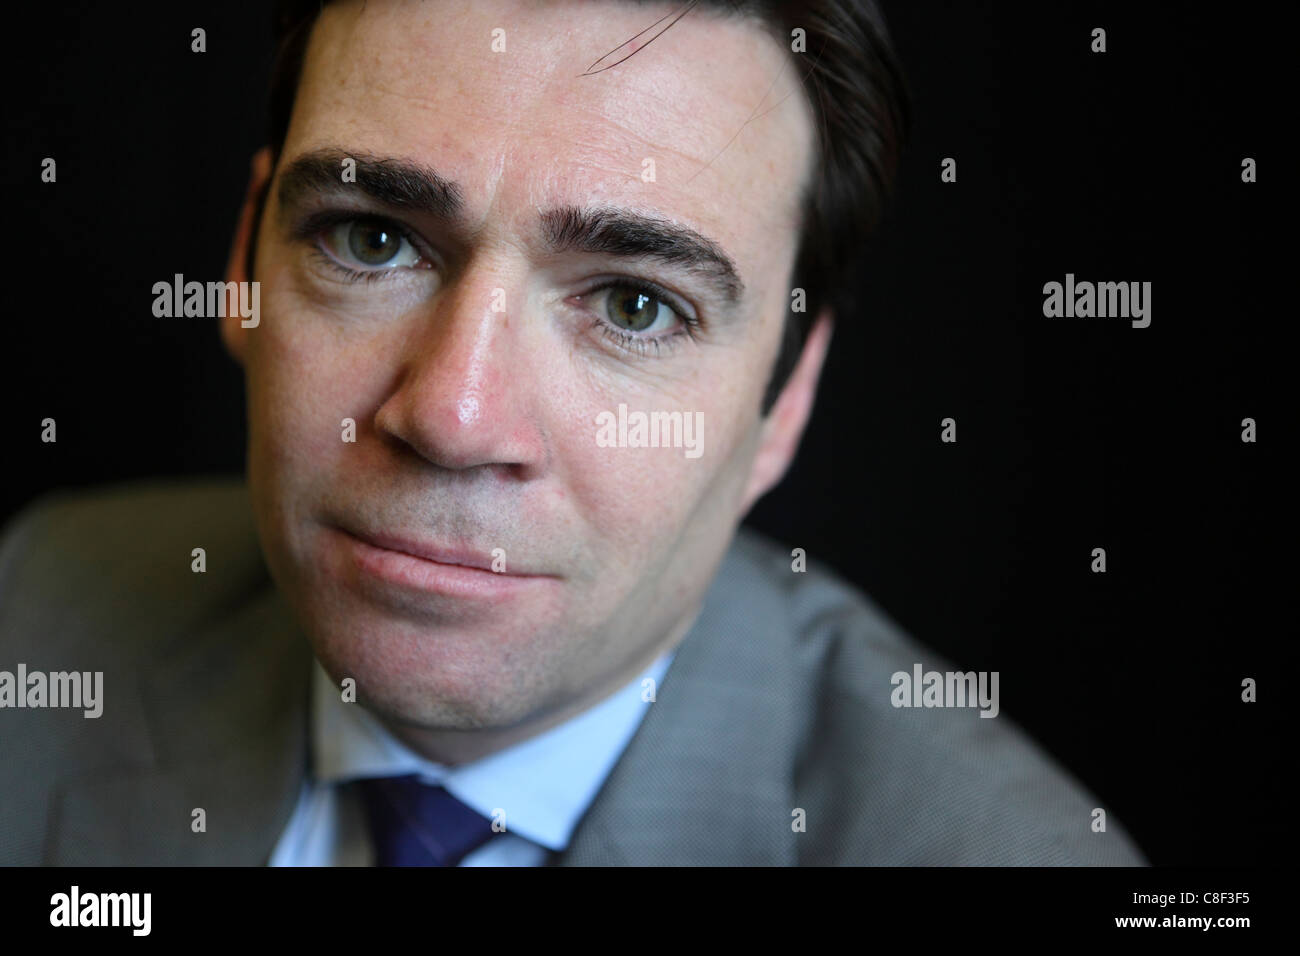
(440, 568)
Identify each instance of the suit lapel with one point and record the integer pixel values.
(708, 777)
(226, 713)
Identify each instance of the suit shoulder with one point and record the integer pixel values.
(122, 557)
(812, 600)
(893, 785)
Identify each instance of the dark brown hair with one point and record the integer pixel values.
(861, 110)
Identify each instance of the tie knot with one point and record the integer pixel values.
(418, 824)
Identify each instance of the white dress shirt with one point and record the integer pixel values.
(539, 788)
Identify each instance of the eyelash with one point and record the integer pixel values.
(315, 226)
(643, 344)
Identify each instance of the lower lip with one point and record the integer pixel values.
(420, 574)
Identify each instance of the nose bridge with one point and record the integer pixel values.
(465, 341)
(460, 403)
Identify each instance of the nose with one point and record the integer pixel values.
(462, 398)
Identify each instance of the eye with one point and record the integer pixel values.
(635, 308)
(370, 244)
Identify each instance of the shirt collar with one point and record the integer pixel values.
(544, 784)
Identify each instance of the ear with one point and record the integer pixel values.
(785, 423)
(233, 334)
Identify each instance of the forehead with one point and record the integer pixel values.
(714, 102)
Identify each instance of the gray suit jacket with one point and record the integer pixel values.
(778, 700)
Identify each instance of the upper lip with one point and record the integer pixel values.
(461, 555)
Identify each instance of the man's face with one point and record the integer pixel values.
(476, 332)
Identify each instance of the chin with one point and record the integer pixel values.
(440, 677)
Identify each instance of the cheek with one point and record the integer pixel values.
(638, 503)
(631, 497)
(303, 382)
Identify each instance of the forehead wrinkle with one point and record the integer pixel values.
(538, 85)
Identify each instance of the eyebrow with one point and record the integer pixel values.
(619, 232)
(393, 182)
(404, 185)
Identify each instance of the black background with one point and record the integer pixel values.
(1072, 434)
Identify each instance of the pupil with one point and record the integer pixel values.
(635, 311)
(373, 244)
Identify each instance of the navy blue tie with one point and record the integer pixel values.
(418, 824)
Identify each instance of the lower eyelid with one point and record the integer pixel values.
(639, 345)
(347, 274)
(319, 244)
